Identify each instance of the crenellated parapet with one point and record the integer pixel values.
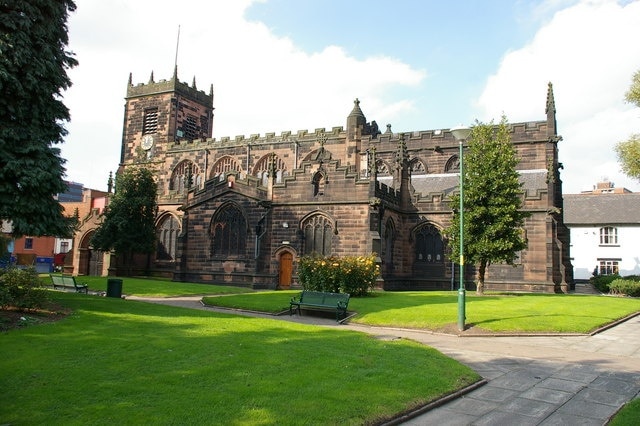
(167, 86)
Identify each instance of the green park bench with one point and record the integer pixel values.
(68, 281)
(318, 300)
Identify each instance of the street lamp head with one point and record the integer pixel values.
(460, 133)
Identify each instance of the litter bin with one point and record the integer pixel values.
(114, 288)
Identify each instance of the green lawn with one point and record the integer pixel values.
(144, 286)
(117, 361)
(533, 313)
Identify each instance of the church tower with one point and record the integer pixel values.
(163, 112)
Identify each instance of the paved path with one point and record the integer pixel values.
(543, 380)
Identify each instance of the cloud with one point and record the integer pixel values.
(589, 51)
(262, 82)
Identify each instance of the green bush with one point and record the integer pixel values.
(355, 275)
(21, 288)
(625, 286)
(601, 282)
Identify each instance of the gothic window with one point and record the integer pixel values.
(150, 121)
(167, 233)
(389, 236)
(223, 165)
(318, 184)
(429, 245)
(228, 232)
(382, 169)
(181, 174)
(261, 169)
(453, 165)
(318, 232)
(417, 167)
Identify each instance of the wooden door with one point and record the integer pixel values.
(286, 270)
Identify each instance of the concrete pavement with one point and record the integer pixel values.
(540, 380)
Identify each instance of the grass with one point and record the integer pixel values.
(514, 313)
(117, 361)
(158, 287)
(628, 415)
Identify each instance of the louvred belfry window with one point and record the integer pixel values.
(150, 122)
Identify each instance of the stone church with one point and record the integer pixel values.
(241, 210)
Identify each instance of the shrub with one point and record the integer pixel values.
(624, 286)
(355, 275)
(21, 288)
(601, 282)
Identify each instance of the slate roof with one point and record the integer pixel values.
(600, 209)
(533, 181)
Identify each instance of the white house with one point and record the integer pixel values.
(605, 232)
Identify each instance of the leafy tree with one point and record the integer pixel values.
(633, 94)
(33, 75)
(629, 151)
(128, 225)
(493, 218)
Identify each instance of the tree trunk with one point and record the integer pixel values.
(481, 271)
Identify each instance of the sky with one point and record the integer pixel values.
(289, 65)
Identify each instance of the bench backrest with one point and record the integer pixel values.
(327, 299)
(56, 279)
(69, 280)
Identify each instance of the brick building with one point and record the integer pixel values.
(242, 210)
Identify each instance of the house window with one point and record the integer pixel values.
(64, 246)
(228, 233)
(608, 266)
(429, 245)
(150, 121)
(608, 236)
(318, 232)
(28, 243)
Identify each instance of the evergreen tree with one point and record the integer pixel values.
(33, 75)
(629, 151)
(129, 219)
(493, 218)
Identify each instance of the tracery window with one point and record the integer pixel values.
(228, 232)
(181, 174)
(167, 233)
(417, 167)
(318, 232)
(453, 165)
(261, 169)
(223, 165)
(429, 245)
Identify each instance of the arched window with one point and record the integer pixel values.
(225, 164)
(389, 243)
(453, 165)
(261, 170)
(382, 169)
(228, 232)
(181, 174)
(318, 231)
(167, 233)
(318, 184)
(417, 167)
(429, 244)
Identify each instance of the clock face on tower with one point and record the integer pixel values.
(147, 142)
